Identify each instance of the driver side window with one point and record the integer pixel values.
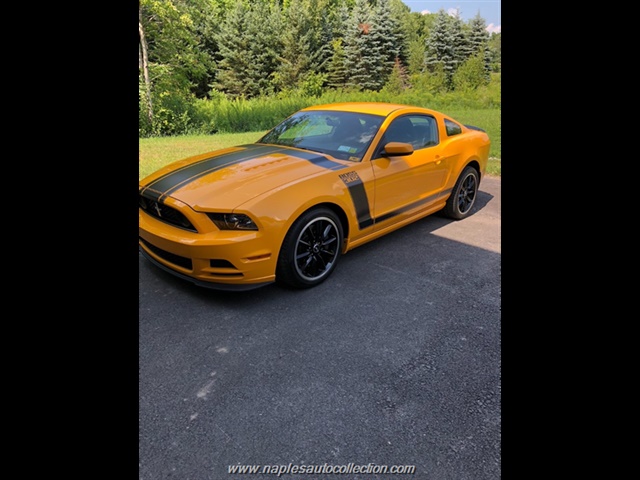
(420, 131)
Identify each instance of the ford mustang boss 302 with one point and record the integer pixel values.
(326, 180)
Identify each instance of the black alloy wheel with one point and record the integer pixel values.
(463, 196)
(311, 249)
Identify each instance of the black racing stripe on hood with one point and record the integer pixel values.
(317, 159)
(173, 180)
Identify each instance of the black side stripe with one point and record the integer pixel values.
(411, 206)
(359, 197)
(174, 180)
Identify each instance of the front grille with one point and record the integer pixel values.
(183, 262)
(165, 213)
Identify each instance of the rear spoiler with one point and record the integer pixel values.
(475, 128)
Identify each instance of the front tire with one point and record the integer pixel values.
(311, 249)
(463, 197)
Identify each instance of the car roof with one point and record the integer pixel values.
(375, 108)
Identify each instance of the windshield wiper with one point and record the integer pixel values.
(315, 149)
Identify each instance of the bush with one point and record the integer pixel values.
(182, 114)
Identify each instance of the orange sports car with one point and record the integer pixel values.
(327, 179)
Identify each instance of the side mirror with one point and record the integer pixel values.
(397, 149)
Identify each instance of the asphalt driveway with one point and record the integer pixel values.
(395, 360)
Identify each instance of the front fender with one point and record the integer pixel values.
(278, 209)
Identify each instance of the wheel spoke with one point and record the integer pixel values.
(467, 194)
(302, 255)
(315, 233)
(331, 240)
(308, 262)
(317, 249)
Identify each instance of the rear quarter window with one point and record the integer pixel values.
(452, 127)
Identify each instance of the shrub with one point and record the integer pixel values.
(181, 114)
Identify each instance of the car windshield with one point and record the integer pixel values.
(343, 135)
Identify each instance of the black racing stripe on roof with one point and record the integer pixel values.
(180, 177)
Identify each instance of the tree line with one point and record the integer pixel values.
(191, 50)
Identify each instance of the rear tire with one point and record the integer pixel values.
(463, 197)
(310, 250)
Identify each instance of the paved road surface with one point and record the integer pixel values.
(395, 360)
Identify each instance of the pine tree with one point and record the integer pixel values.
(248, 42)
(320, 34)
(234, 45)
(295, 54)
(461, 47)
(479, 41)
(441, 47)
(401, 15)
(339, 19)
(337, 73)
(364, 59)
(384, 34)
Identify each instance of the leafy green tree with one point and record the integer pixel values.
(416, 55)
(433, 80)
(398, 80)
(495, 51)
(419, 25)
(471, 74)
(312, 84)
(173, 41)
(172, 63)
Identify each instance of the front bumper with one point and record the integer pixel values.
(223, 260)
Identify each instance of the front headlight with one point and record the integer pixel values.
(232, 221)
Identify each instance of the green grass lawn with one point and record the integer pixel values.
(155, 153)
(489, 120)
(158, 152)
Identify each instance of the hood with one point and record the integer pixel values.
(228, 178)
